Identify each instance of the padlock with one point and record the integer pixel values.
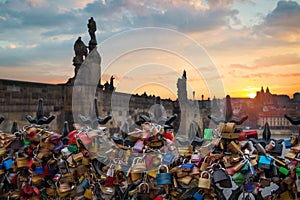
(181, 173)
(36, 179)
(204, 164)
(84, 138)
(290, 155)
(143, 195)
(8, 163)
(208, 134)
(186, 180)
(168, 158)
(204, 183)
(137, 168)
(163, 178)
(284, 170)
(77, 157)
(187, 167)
(195, 172)
(238, 166)
(245, 169)
(198, 196)
(238, 178)
(219, 175)
(248, 187)
(88, 194)
(297, 182)
(22, 162)
(109, 182)
(270, 146)
(85, 160)
(265, 162)
(233, 147)
(195, 158)
(138, 146)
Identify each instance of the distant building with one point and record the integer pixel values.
(272, 108)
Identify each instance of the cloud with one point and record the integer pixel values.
(282, 22)
(278, 60)
(268, 62)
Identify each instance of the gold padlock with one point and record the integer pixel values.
(180, 173)
(185, 180)
(204, 183)
(195, 172)
(204, 164)
(22, 162)
(238, 166)
(88, 194)
(77, 157)
(36, 179)
(85, 161)
(290, 155)
(233, 147)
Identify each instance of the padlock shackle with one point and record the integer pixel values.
(159, 167)
(144, 183)
(205, 172)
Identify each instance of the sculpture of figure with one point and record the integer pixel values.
(92, 28)
(111, 83)
(184, 74)
(80, 50)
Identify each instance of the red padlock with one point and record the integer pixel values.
(84, 138)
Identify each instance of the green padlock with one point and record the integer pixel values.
(73, 148)
(238, 178)
(284, 170)
(245, 168)
(26, 142)
(208, 134)
(297, 169)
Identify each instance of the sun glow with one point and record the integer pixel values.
(252, 95)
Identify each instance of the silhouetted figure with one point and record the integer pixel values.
(92, 28)
(40, 119)
(228, 115)
(184, 74)
(80, 50)
(1, 119)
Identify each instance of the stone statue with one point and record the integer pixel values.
(80, 50)
(111, 83)
(92, 28)
(184, 74)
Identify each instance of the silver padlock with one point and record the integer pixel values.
(111, 171)
(297, 183)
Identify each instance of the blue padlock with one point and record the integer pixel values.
(287, 143)
(198, 196)
(163, 178)
(85, 184)
(187, 167)
(168, 158)
(8, 163)
(248, 187)
(265, 162)
(39, 170)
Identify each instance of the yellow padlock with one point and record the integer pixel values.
(88, 194)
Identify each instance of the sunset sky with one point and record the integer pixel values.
(226, 46)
